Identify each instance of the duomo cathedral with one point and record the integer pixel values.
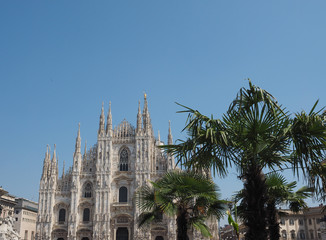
(93, 200)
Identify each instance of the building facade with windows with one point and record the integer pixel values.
(302, 225)
(25, 214)
(94, 198)
(7, 204)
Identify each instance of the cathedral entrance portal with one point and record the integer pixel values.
(122, 233)
(85, 238)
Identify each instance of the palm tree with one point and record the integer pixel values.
(189, 196)
(280, 191)
(255, 133)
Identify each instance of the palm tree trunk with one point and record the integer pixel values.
(253, 204)
(182, 226)
(273, 225)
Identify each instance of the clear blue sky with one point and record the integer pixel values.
(60, 59)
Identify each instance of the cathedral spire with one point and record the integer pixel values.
(102, 120)
(109, 121)
(49, 152)
(170, 139)
(139, 121)
(146, 118)
(85, 153)
(159, 136)
(63, 170)
(145, 111)
(78, 141)
(77, 154)
(54, 158)
(54, 166)
(46, 163)
(47, 155)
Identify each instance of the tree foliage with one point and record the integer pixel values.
(255, 133)
(189, 196)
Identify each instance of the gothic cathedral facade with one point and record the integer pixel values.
(94, 198)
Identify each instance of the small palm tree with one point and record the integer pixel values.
(188, 196)
(280, 191)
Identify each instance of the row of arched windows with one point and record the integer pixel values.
(123, 234)
(123, 197)
(300, 235)
(62, 215)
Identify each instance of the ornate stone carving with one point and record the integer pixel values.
(7, 231)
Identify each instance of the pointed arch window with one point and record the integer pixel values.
(62, 215)
(86, 215)
(124, 160)
(123, 194)
(87, 190)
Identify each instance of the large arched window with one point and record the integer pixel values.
(87, 190)
(86, 215)
(124, 160)
(62, 215)
(122, 233)
(123, 194)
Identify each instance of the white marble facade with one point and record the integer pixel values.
(94, 198)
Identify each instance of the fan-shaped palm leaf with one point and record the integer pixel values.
(189, 196)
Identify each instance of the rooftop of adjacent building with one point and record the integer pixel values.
(19, 203)
(310, 210)
(2, 191)
(22, 203)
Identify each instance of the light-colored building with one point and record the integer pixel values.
(307, 225)
(7, 203)
(25, 218)
(301, 225)
(94, 198)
